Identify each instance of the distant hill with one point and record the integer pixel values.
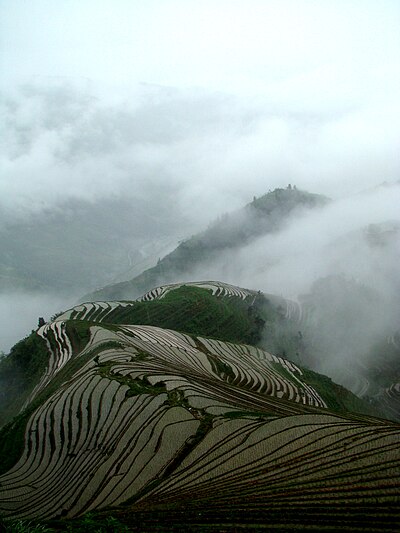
(263, 215)
(159, 429)
(82, 244)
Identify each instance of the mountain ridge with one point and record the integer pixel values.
(263, 215)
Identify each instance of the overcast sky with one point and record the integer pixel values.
(199, 103)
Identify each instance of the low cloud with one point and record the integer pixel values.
(19, 313)
(318, 243)
(343, 259)
(202, 152)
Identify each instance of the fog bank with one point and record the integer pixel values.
(19, 313)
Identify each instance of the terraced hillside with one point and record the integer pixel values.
(208, 309)
(213, 309)
(290, 329)
(166, 429)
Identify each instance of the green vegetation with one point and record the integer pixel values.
(136, 385)
(220, 368)
(207, 435)
(192, 310)
(195, 311)
(19, 373)
(89, 523)
(23, 526)
(258, 415)
(337, 397)
(79, 333)
(289, 199)
(177, 398)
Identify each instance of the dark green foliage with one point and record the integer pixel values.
(189, 517)
(23, 526)
(177, 398)
(220, 368)
(28, 357)
(89, 523)
(12, 439)
(79, 333)
(19, 373)
(191, 310)
(196, 311)
(259, 415)
(287, 199)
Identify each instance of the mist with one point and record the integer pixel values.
(129, 127)
(316, 243)
(20, 311)
(339, 263)
(203, 152)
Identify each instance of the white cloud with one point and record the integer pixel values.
(204, 152)
(299, 91)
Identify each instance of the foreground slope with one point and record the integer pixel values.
(166, 427)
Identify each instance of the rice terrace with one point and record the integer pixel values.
(165, 413)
